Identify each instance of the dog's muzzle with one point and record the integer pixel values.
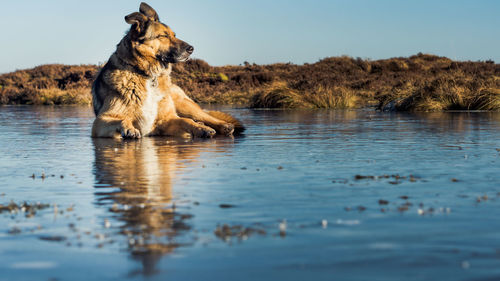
(175, 56)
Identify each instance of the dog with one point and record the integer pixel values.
(133, 95)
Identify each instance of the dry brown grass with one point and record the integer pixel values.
(278, 95)
(48, 84)
(417, 83)
(336, 97)
(464, 93)
(281, 96)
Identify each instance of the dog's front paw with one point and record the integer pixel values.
(130, 133)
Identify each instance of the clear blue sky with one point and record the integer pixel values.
(263, 31)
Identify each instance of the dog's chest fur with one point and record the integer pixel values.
(150, 106)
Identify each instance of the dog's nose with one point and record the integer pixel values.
(190, 49)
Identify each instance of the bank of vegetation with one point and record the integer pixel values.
(418, 83)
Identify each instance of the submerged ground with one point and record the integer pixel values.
(303, 195)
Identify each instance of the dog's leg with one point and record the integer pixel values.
(170, 124)
(183, 127)
(113, 127)
(187, 108)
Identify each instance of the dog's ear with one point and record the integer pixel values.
(137, 19)
(148, 11)
(138, 22)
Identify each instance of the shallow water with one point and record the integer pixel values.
(304, 195)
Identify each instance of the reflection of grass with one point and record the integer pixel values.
(418, 83)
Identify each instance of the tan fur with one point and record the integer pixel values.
(238, 127)
(133, 95)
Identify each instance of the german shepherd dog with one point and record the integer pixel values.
(133, 95)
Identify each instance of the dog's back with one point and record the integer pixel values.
(97, 96)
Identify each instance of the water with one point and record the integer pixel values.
(304, 195)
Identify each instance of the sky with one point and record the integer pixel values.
(262, 31)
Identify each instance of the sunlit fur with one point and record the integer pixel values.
(133, 95)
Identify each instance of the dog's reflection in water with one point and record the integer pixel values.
(140, 174)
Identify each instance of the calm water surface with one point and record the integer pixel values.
(303, 195)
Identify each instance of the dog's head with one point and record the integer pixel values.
(152, 39)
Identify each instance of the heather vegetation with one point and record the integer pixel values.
(48, 84)
(418, 83)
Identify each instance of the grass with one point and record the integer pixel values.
(48, 85)
(418, 83)
(281, 96)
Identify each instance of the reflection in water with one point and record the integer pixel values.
(324, 123)
(456, 156)
(143, 171)
(456, 121)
